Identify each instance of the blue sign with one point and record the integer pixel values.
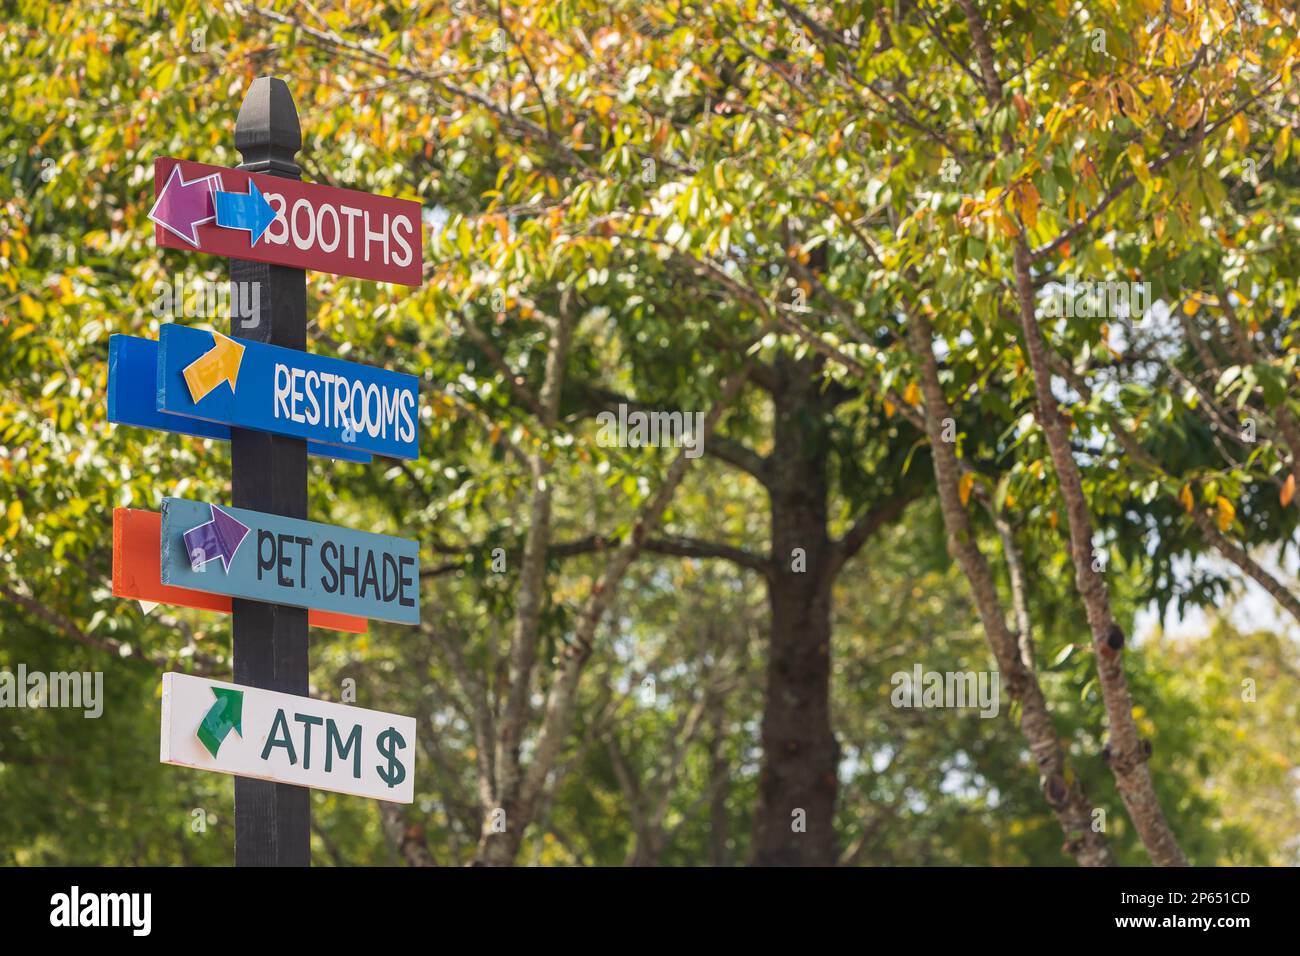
(133, 397)
(264, 557)
(245, 384)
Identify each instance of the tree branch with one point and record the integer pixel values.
(879, 516)
(117, 649)
(686, 547)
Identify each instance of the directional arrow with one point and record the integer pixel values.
(248, 211)
(218, 364)
(223, 717)
(183, 206)
(218, 538)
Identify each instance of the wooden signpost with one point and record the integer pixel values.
(283, 738)
(260, 559)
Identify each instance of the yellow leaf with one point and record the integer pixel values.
(1240, 129)
(31, 308)
(1029, 201)
(1055, 117)
(1134, 105)
(1225, 512)
(889, 409)
(1185, 497)
(1139, 164)
(964, 487)
(1288, 490)
(912, 394)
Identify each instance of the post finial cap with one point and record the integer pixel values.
(267, 133)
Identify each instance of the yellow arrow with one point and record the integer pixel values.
(217, 365)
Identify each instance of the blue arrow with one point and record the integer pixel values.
(248, 211)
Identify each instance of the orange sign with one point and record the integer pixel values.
(137, 573)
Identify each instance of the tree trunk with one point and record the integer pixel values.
(798, 779)
(649, 848)
(1014, 653)
(1128, 752)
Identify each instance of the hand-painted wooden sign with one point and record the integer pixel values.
(137, 573)
(290, 561)
(133, 398)
(249, 732)
(247, 384)
(230, 212)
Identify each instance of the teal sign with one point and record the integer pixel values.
(265, 557)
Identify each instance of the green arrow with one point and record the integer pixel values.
(224, 717)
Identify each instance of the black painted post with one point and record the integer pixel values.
(272, 820)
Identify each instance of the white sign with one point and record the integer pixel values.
(249, 732)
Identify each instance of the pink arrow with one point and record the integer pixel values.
(183, 206)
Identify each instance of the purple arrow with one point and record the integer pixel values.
(183, 206)
(218, 538)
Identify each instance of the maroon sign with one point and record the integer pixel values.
(229, 212)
